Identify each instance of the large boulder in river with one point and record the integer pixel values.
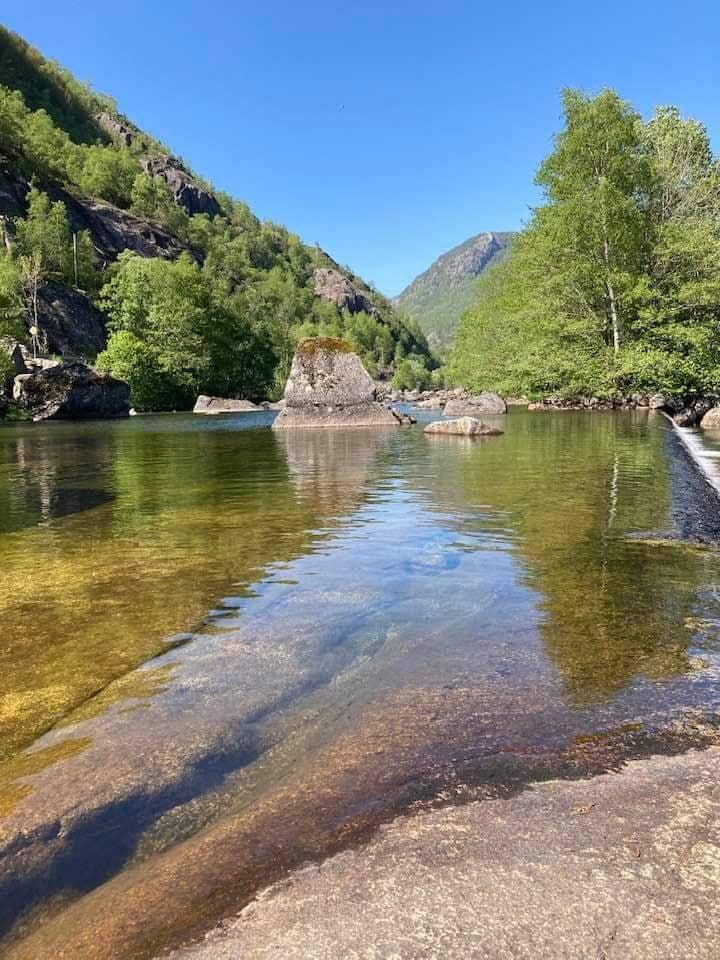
(213, 405)
(490, 404)
(71, 391)
(462, 427)
(711, 420)
(329, 387)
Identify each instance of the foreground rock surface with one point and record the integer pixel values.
(488, 403)
(565, 870)
(329, 387)
(462, 427)
(214, 405)
(711, 420)
(71, 391)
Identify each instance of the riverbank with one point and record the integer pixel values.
(623, 865)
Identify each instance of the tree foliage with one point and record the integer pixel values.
(614, 284)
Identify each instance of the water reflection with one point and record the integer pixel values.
(379, 607)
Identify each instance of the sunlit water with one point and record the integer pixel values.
(208, 626)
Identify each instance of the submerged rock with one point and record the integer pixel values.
(462, 427)
(71, 391)
(489, 403)
(329, 387)
(213, 405)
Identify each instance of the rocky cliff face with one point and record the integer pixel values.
(437, 297)
(336, 288)
(70, 324)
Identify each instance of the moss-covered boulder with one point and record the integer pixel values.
(329, 387)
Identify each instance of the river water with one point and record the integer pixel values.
(225, 651)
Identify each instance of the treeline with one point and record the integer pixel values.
(224, 318)
(614, 285)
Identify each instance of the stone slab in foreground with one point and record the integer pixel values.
(623, 866)
(462, 427)
(329, 387)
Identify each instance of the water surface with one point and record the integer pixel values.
(225, 648)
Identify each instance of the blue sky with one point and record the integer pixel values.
(386, 132)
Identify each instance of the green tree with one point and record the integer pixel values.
(45, 232)
(109, 173)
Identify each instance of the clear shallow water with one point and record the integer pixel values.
(351, 619)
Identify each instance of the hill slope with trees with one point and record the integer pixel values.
(113, 250)
(438, 297)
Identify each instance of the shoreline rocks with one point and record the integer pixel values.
(329, 387)
(210, 406)
(71, 391)
(462, 427)
(489, 403)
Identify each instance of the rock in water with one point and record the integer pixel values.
(711, 420)
(213, 405)
(462, 427)
(71, 391)
(329, 387)
(488, 403)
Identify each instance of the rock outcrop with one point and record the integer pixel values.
(71, 391)
(462, 427)
(14, 352)
(491, 404)
(187, 192)
(112, 230)
(214, 405)
(116, 128)
(329, 387)
(336, 288)
(69, 322)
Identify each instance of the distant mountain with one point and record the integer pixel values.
(438, 297)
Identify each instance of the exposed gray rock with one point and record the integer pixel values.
(693, 413)
(112, 230)
(213, 405)
(433, 403)
(14, 351)
(188, 193)
(711, 420)
(336, 288)
(487, 402)
(69, 322)
(329, 387)
(116, 128)
(71, 391)
(462, 427)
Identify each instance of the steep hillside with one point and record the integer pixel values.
(110, 244)
(437, 297)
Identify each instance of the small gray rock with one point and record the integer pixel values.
(462, 427)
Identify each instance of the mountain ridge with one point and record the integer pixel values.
(438, 296)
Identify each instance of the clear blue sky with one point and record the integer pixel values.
(387, 132)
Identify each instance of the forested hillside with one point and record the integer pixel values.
(438, 297)
(614, 286)
(113, 250)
